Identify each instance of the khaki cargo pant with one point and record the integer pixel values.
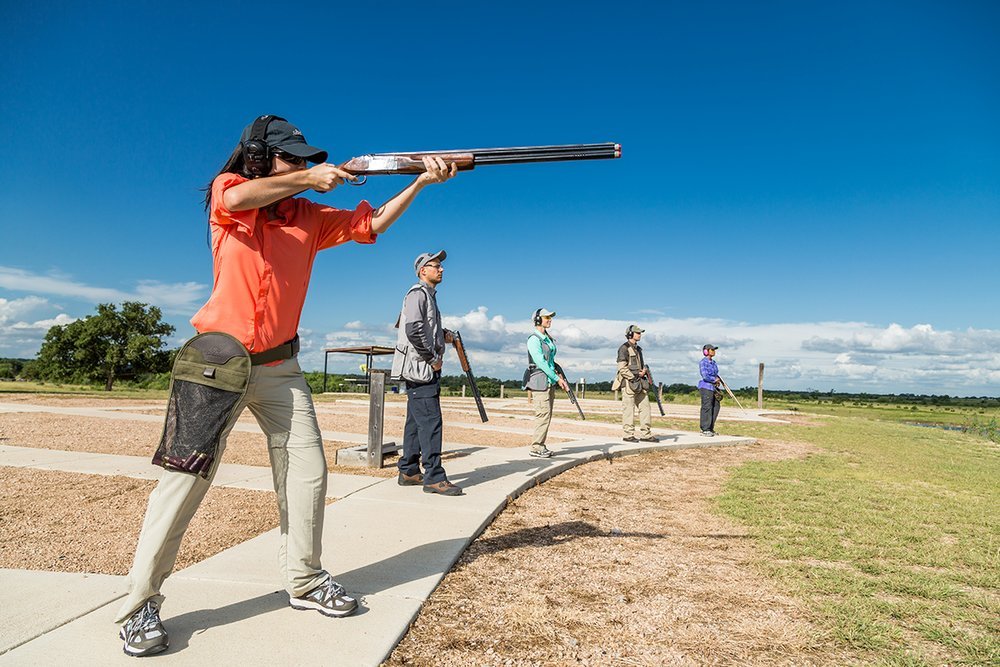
(542, 402)
(630, 403)
(279, 398)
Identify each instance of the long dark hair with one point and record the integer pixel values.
(234, 165)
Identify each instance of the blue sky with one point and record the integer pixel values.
(809, 185)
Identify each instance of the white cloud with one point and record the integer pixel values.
(845, 356)
(21, 338)
(170, 297)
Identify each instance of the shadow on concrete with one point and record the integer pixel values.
(425, 560)
(183, 627)
(564, 458)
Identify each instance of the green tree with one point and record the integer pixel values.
(107, 346)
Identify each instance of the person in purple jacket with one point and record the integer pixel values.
(708, 386)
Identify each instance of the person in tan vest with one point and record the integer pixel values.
(633, 380)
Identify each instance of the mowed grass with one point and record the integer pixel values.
(891, 532)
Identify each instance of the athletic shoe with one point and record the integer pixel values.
(410, 480)
(543, 453)
(143, 633)
(445, 488)
(329, 599)
(630, 438)
(649, 438)
(708, 434)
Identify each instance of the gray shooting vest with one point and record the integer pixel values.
(535, 378)
(406, 363)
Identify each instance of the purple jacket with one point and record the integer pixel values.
(709, 373)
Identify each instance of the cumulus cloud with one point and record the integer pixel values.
(21, 338)
(845, 356)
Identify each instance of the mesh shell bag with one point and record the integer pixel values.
(209, 378)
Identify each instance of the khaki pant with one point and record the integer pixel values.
(542, 402)
(279, 398)
(630, 403)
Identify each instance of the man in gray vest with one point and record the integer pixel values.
(417, 360)
(633, 379)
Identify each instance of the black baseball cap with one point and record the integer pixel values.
(709, 347)
(287, 138)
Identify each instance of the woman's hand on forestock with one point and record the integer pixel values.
(436, 170)
(325, 177)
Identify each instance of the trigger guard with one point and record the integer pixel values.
(361, 180)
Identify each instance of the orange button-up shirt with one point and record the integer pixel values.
(262, 267)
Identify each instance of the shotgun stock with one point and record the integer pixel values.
(657, 390)
(463, 359)
(569, 390)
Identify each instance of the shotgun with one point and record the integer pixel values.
(730, 392)
(376, 164)
(569, 390)
(658, 390)
(464, 361)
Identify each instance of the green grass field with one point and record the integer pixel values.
(891, 532)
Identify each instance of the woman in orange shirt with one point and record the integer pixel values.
(264, 241)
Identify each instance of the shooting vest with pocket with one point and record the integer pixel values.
(406, 363)
(635, 365)
(210, 377)
(535, 378)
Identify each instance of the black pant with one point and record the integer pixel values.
(709, 409)
(422, 432)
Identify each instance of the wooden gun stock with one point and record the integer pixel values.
(464, 361)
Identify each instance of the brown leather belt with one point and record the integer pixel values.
(286, 350)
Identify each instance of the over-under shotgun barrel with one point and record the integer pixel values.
(469, 158)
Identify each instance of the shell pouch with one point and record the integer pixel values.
(209, 379)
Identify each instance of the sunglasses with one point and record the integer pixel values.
(432, 266)
(288, 157)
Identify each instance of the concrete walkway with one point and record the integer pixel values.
(388, 545)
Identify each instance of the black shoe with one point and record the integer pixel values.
(329, 599)
(410, 480)
(649, 438)
(445, 488)
(143, 633)
(630, 438)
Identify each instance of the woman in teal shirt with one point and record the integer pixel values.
(542, 378)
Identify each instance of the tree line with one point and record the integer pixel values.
(127, 343)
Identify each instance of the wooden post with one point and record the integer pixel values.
(501, 390)
(376, 413)
(583, 389)
(463, 391)
(760, 387)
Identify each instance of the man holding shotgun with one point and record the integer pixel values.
(417, 360)
(633, 379)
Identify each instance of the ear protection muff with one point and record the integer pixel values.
(256, 152)
(537, 318)
(704, 351)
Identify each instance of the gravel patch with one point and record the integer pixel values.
(620, 563)
(69, 522)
